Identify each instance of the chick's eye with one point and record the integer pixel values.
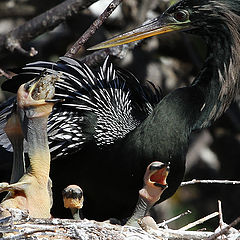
(181, 16)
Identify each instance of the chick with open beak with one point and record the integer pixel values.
(154, 184)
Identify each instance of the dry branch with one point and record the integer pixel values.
(195, 181)
(226, 230)
(200, 221)
(164, 223)
(40, 24)
(92, 29)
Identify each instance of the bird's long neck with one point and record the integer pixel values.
(164, 134)
(219, 78)
(38, 151)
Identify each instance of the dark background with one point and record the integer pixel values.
(168, 61)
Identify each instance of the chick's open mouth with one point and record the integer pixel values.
(159, 176)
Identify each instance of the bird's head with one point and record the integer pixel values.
(201, 17)
(35, 97)
(155, 182)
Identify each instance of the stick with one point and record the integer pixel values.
(92, 29)
(202, 220)
(221, 223)
(195, 181)
(174, 218)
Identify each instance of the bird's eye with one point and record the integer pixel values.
(181, 16)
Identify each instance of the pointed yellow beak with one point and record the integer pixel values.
(160, 25)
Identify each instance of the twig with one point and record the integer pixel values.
(174, 218)
(92, 29)
(195, 181)
(224, 230)
(200, 221)
(180, 235)
(40, 24)
(221, 223)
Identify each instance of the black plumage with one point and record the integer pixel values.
(115, 128)
(99, 109)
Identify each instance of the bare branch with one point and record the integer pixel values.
(224, 230)
(200, 221)
(195, 181)
(92, 29)
(40, 24)
(221, 223)
(164, 223)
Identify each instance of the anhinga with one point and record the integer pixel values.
(31, 192)
(153, 187)
(116, 127)
(73, 199)
(98, 111)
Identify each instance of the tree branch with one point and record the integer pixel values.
(225, 230)
(165, 222)
(40, 24)
(195, 181)
(92, 29)
(200, 221)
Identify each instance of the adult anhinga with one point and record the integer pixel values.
(116, 127)
(99, 111)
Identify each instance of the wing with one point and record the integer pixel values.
(99, 106)
(6, 110)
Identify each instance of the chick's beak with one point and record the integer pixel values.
(160, 25)
(159, 173)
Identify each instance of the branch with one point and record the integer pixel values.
(93, 59)
(200, 221)
(40, 24)
(195, 181)
(225, 230)
(165, 222)
(92, 29)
